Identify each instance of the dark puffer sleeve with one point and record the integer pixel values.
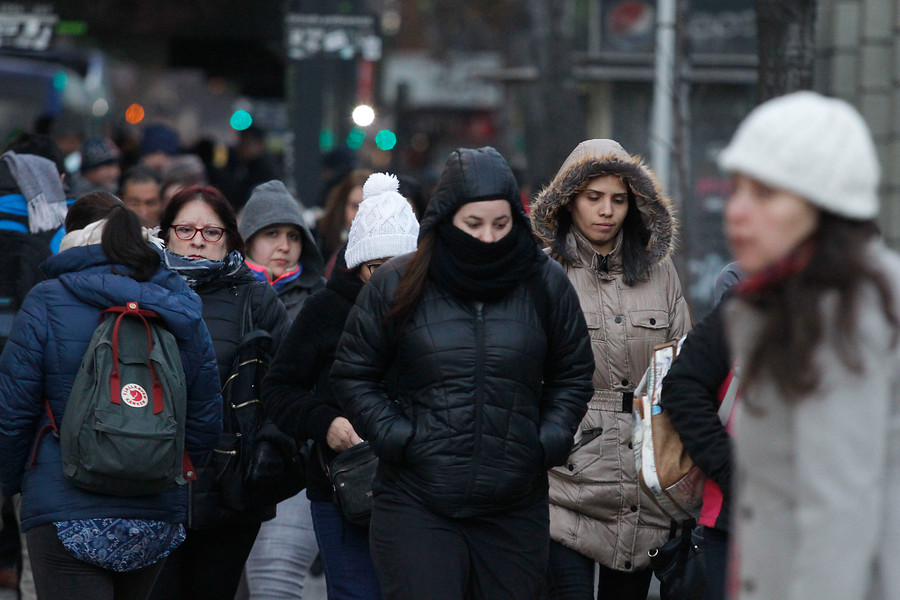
(364, 355)
(690, 395)
(568, 368)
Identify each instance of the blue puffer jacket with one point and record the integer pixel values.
(49, 338)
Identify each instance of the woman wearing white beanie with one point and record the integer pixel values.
(814, 329)
(299, 397)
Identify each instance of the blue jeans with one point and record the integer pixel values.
(283, 552)
(349, 573)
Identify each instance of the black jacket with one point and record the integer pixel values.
(488, 396)
(690, 395)
(298, 396)
(222, 304)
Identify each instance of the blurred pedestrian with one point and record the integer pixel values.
(100, 167)
(607, 222)
(159, 143)
(140, 193)
(340, 208)
(814, 330)
(254, 164)
(484, 339)
(300, 398)
(84, 544)
(203, 245)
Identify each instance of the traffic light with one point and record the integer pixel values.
(241, 120)
(355, 138)
(385, 139)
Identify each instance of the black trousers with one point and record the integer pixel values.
(571, 577)
(59, 575)
(419, 554)
(715, 550)
(207, 565)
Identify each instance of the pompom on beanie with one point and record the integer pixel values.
(816, 147)
(270, 203)
(385, 225)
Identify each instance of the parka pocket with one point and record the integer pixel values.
(587, 447)
(649, 320)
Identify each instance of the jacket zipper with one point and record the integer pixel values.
(479, 397)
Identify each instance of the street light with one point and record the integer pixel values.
(363, 115)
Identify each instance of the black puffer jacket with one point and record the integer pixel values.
(488, 394)
(222, 304)
(298, 396)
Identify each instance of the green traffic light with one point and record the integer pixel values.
(241, 120)
(326, 140)
(355, 138)
(385, 139)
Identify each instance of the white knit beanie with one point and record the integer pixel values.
(816, 147)
(385, 225)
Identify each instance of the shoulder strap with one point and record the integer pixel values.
(730, 396)
(247, 324)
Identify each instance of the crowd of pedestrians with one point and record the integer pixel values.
(485, 349)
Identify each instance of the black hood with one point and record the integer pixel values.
(471, 175)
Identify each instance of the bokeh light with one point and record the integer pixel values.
(355, 138)
(134, 114)
(385, 139)
(363, 115)
(241, 120)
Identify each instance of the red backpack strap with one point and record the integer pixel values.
(131, 308)
(51, 426)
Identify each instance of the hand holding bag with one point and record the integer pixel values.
(351, 473)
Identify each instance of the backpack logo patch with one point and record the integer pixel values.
(134, 395)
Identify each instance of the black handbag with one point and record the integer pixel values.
(680, 566)
(256, 464)
(351, 473)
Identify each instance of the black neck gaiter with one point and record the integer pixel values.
(479, 271)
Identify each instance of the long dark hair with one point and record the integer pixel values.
(122, 240)
(333, 219)
(216, 201)
(412, 284)
(793, 324)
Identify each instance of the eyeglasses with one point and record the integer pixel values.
(372, 266)
(187, 233)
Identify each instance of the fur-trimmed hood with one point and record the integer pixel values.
(597, 158)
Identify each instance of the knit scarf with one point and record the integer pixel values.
(479, 271)
(260, 273)
(197, 271)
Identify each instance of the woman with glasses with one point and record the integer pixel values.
(204, 247)
(484, 340)
(299, 397)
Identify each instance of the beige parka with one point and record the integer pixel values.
(596, 505)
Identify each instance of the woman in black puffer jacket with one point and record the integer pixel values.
(204, 247)
(493, 368)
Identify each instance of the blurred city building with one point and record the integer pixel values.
(399, 83)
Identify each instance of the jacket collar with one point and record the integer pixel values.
(581, 247)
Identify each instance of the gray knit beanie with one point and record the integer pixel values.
(816, 147)
(269, 204)
(385, 225)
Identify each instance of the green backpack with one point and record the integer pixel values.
(123, 428)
